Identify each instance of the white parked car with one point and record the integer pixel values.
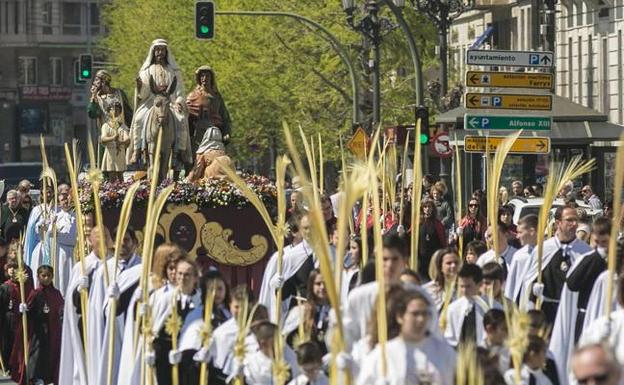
(526, 206)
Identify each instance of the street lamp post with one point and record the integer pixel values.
(442, 13)
(370, 27)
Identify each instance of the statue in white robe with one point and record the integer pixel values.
(159, 75)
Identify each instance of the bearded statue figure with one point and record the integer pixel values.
(158, 78)
(209, 125)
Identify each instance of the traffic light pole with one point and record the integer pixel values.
(340, 50)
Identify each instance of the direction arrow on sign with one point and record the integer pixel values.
(499, 122)
(536, 145)
(509, 101)
(358, 144)
(509, 80)
(509, 58)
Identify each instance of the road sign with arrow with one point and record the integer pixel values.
(534, 145)
(509, 80)
(509, 101)
(499, 122)
(509, 58)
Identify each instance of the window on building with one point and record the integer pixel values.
(588, 9)
(46, 18)
(579, 77)
(27, 70)
(620, 75)
(604, 10)
(94, 19)
(56, 71)
(72, 18)
(522, 36)
(578, 11)
(590, 71)
(604, 89)
(16, 16)
(570, 68)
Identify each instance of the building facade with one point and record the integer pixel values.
(588, 104)
(41, 41)
(589, 45)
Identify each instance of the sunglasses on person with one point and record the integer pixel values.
(595, 379)
(473, 205)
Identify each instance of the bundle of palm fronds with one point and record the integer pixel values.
(468, 370)
(518, 340)
(495, 169)
(206, 331)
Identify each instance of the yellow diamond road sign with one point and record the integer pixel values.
(358, 144)
(509, 80)
(509, 101)
(533, 145)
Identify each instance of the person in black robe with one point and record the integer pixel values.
(568, 249)
(45, 315)
(13, 217)
(586, 272)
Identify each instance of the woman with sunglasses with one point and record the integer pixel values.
(473, 225)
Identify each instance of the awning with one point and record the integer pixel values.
(562, 133)
(572, 124)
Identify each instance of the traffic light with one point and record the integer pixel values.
(85, 66)
(204, 20)
(77, 78)
(423, 113)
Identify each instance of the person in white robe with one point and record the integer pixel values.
(575, 295)
(159, 75)
(597, 304)
(310, 363)
(464, 316)
(129, 269)
(417, 354)
(505, 252)
(531, 372)
(443, 271)
(33, 234)
(73, 368)
(527, 235)
(361, 300)
(258, 366)
(351, 271)
(162, 280)
(295, 256)
(495, 327)
(608, 329)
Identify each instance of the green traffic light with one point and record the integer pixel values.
(85, 73)
(204, 29)
(424, 139)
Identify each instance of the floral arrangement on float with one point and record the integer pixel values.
(210, 193)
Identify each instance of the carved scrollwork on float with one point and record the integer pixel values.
(180, 225)
(216, 241)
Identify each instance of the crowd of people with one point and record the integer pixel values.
(444, 304)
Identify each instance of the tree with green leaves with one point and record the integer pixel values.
(271, 69)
